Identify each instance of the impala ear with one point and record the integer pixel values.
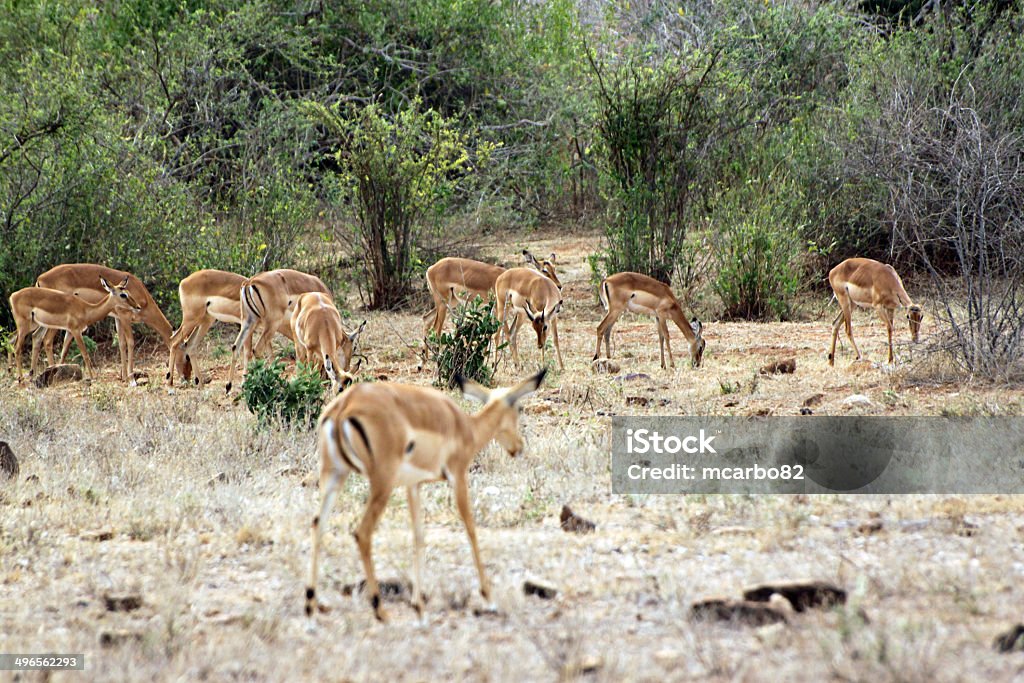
(558, 308)
(529, 258)
(355, 335)
(553, 257)
(106, 285)
(124, 283)
(471, 389)
(696, 326)
(524, 388)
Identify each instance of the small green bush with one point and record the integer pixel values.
(269, 396)
(74, 355)
(463, 351)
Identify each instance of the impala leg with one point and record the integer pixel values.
(604, 329)
(558, 349)
(836, 324)
(364, 537)
(513, 339)
(466, 512)
(129, 350)
(416, 515)
(19, 344)
(36, 345)
(663, 331)
(243, 339)
(191, 344)
(48, 335)
(119, 325)
(90, 373)
(329, 486)
(847, 306)
(66, 347)
(886, 314)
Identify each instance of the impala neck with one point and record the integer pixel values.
(682, 323)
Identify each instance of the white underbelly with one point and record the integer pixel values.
(410, 475)
(224, 309)
(859, 295)
(637, 308)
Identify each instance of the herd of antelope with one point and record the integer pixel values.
(393, 434)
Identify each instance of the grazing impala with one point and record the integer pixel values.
(319, 336)
(401, 435)
(452, 276)
(527, 292)
(643, 294)
(82, 279)
(267, 300)
(207, 296)
(870, 284)
(39, 307)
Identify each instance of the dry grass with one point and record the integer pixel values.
(209, 523)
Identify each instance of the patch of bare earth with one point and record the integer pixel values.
(178, 500)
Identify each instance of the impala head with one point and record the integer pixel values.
(698, 345)
(547, 266)
(124, 299)
(348, 346)
(505, 401)
(541, 321)
(915, 315)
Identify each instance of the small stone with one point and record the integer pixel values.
(857, 400)
(115, 637)
(1010, 640)
(800, 594)
(573, 523)
(737, 611)
(542, 589)
(781, 367)
(97, 535)
(122, 603)
(68, 372)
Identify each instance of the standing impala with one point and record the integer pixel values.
(319, 336)
(207, 296)
(452, 276)
(401, 435)
(267, 300)
(870, 284)
(39, 307)
(521, 290)
(82, 279)
(643, 294)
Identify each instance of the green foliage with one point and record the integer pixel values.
(463, 351)
(270, 396)
(399, 174)
(758, 252)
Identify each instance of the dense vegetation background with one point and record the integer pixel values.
(736, 149)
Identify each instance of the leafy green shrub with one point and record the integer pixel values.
(756, 278)
(74, 355)
(269, 396)
(463, 351)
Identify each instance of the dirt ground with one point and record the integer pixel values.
(177, 498)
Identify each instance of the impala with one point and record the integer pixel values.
(643, 294)
(870, 284)
(547, 266)
(267, 300)
(82, 279)
(206, 296)
(452, 276)
(39, 307)
(521, 290)
(319, 336)
(401, 435)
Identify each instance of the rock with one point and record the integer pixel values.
(1010, 640)
(737, 611)
(781, 367)
(584, 666)
(870, 527)
(813, 400)
(8, 462)
(638, 401)
(857, 400)
(542, 589)
(115, 637)
(122, 603)
(801, 594)
(806, 411)
(219, 478)
(97, 535)
(69, 372)
(604, 366)
(491, 491)
(575, 524)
